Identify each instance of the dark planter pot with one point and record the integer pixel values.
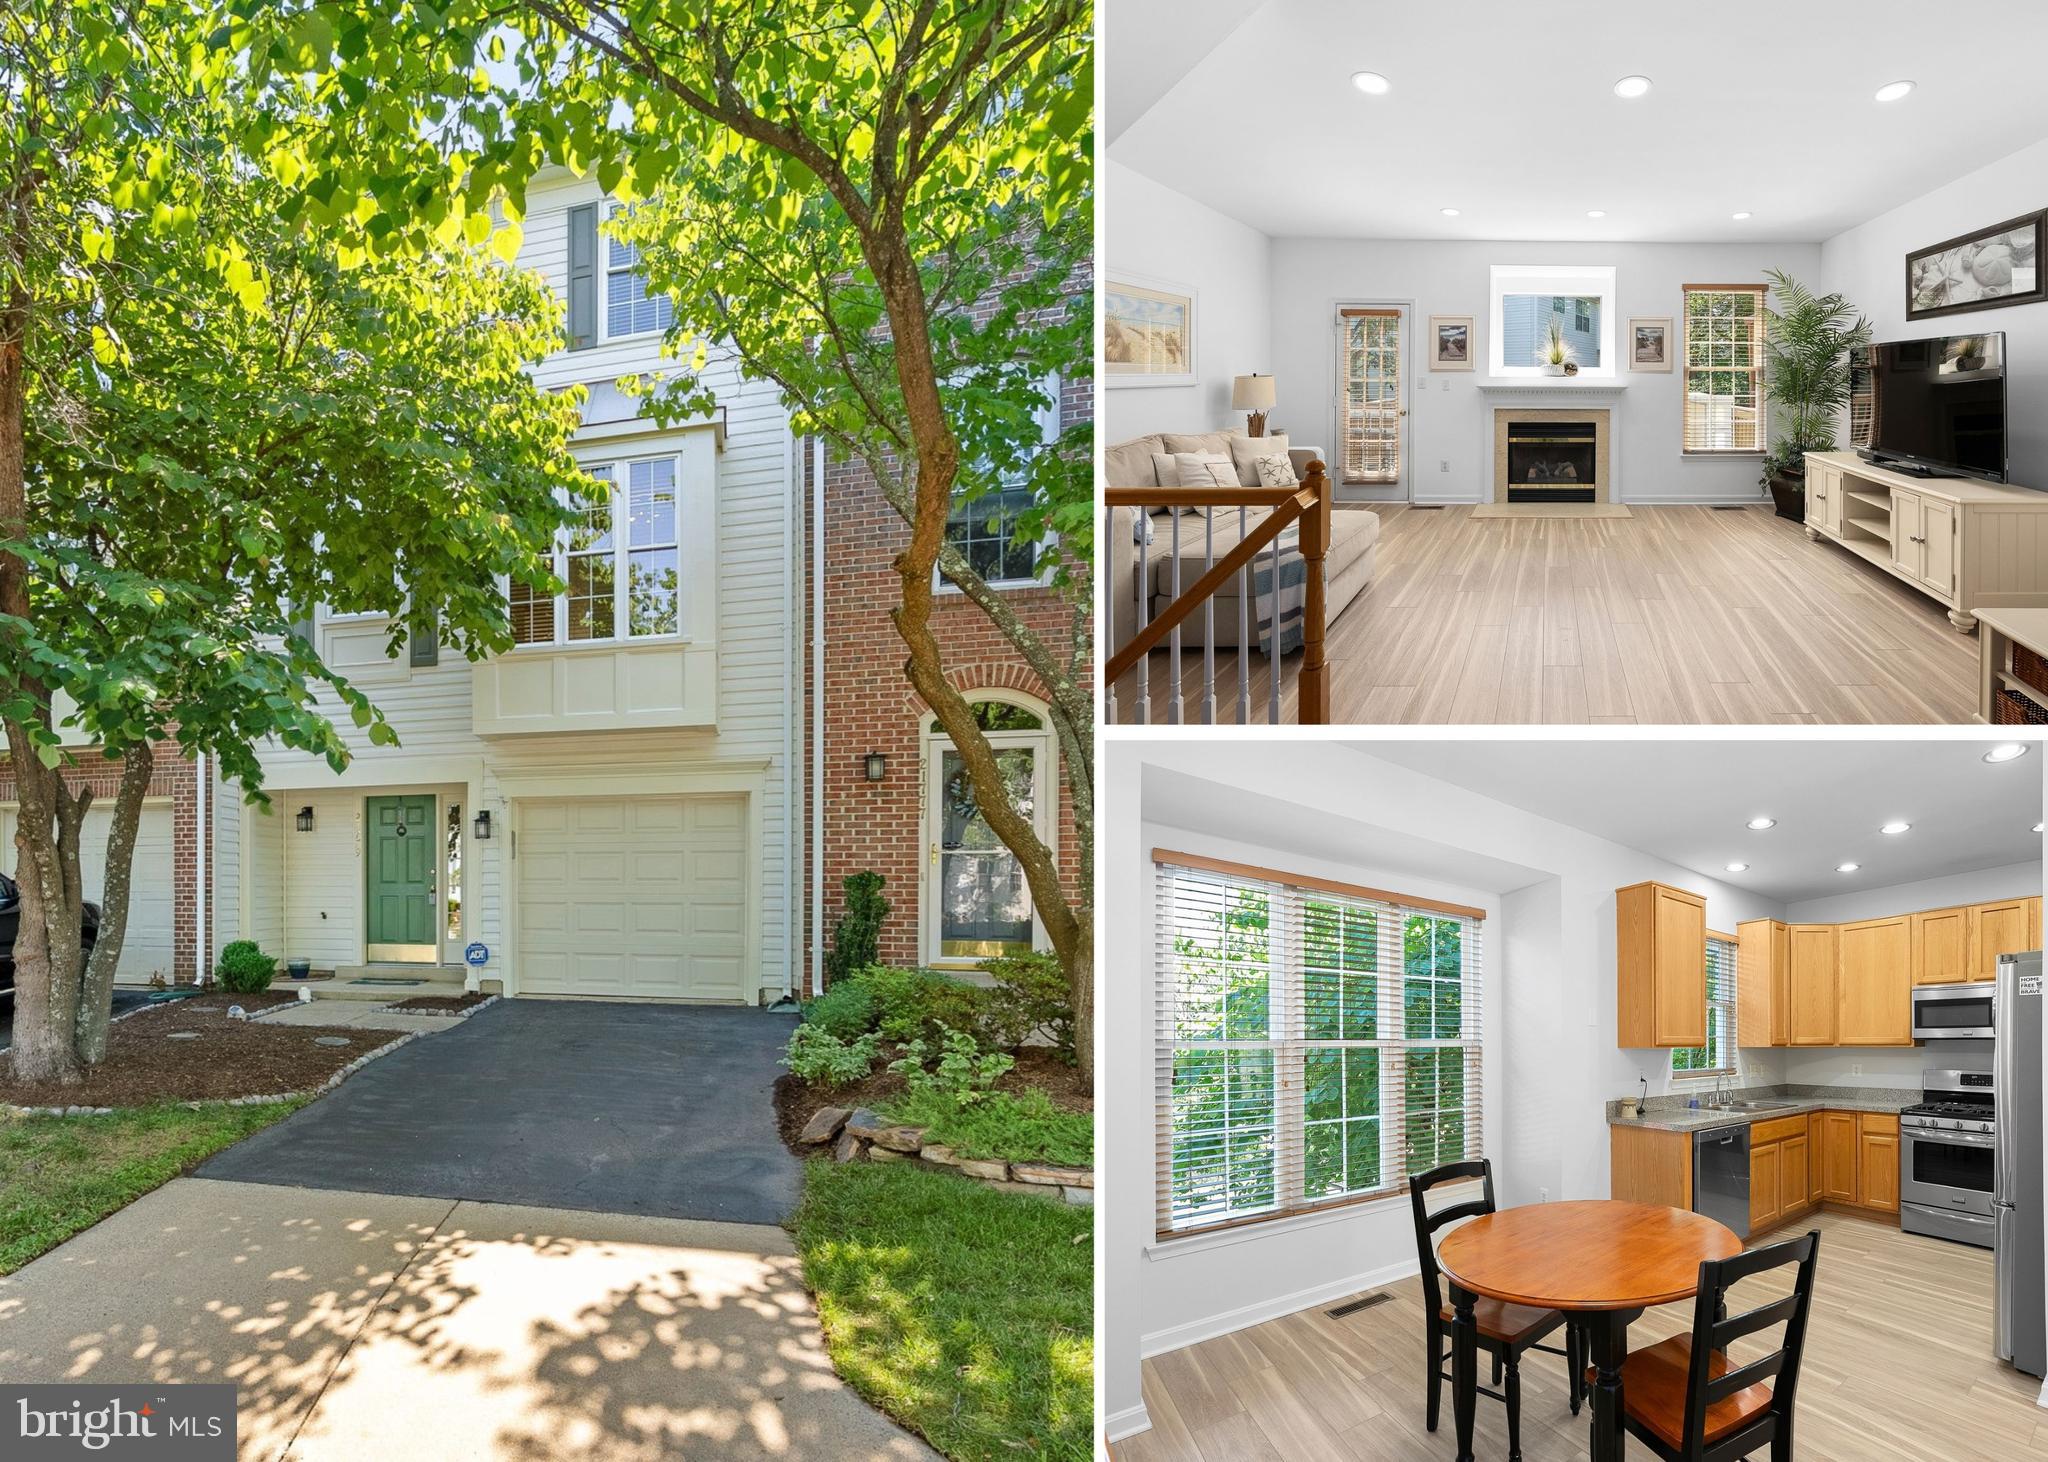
(299, 968)
(1788, 491)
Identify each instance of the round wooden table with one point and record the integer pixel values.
(1601, 1262)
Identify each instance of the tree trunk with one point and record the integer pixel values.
(96, 993)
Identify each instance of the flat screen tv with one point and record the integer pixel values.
(1937, 405)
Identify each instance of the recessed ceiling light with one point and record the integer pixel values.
(1632, 87)
(1895, 828)
(1893, 91)
(1738, 867)
(1738, 217)
(1847, 867)
(2037, 827)
(1596, 213)
(1448, 212)
(1371, 83)
(2006, 751)
(1758, 824)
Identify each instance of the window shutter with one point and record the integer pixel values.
(426, 645)
(1724, 358)
(583, 277)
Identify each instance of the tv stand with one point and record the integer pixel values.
(1955, 539)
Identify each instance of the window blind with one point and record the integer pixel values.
(1313, 1046)
(1862, 397)
(1369, 394)
(1724, 349)
(1717, 1056)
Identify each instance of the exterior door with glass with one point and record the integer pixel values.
(1371, 449)
(977, 902)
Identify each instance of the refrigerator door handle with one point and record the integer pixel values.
(2002, 1298)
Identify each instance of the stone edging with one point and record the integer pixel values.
(247, 1101)
(484, 1004)
(860, 1135)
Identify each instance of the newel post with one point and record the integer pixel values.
(1313, 688)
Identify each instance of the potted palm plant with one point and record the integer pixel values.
(1808, 339)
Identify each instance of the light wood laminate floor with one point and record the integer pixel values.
(1677, 615)
(1898, 1368)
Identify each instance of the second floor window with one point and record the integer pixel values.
(629, 536)
(984, 527)
(628, 308)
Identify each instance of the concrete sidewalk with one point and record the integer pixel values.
(363, 1325)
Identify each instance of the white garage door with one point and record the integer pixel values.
(147, 947)
(639, 896)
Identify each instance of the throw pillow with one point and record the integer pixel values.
(1277, 471)
(1206, 469)
(1246, 451)
(1165, 469)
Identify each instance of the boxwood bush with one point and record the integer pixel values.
(244, 968)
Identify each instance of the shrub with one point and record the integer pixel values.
(963, 1069)
(816, 1054)
(1032, 997)
(922, 1005)
(1000, 1127)
(244, 969)
(856, 938)
(846, 1010)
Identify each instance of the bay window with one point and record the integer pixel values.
(627, 535)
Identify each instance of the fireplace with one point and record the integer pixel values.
(1552, 462)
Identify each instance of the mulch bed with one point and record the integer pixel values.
(440, 1004)
(796, 1099)
(261, 1000)
(230, 1058)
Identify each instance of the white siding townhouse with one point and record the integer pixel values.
(604, 808)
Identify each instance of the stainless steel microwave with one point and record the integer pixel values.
(1953, 1012)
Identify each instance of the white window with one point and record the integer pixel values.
(628, 308)
(1311, 1048)
(983, 527)
(593, 558)
(1724, 369)
(1534, 304)
(1718, 1056)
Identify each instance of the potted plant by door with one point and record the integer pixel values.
(1808, 339)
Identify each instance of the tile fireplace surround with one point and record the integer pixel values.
(1603, 454)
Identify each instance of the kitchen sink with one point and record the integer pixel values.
(1733, 1105)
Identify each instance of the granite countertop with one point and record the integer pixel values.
(1669, 1113)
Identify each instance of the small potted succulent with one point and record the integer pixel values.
(1556, 353)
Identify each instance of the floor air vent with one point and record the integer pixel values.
(1355, 1306)
(1425, 507)
(1731, 507)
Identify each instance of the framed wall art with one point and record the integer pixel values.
(1451, 342)
(1148, 332)
(1649, 343)
(1985, 270)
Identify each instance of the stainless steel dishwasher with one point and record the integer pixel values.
(1720, 1175)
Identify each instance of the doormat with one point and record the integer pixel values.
(1552, 510)
(384, 980)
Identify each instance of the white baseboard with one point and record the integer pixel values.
(1126, 1423)
(1196, 1331)
(2042, 1400)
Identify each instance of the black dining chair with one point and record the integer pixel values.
(1680, 1397)
(1505, 1331)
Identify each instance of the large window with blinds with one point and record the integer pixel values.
(1718, 1056)
(1724, 358)
(1314, 1046)
(1369, 394)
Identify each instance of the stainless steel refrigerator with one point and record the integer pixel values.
(2020, 1320)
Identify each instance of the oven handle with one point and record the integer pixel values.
(1956, 1139)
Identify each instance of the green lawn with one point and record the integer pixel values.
(1000, 1127)
(59, 1175)
(965, 1313)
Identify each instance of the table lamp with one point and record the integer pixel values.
(1253, 394)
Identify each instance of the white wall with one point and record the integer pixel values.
(1449, 420)
(1868, 264)
(1154, 231)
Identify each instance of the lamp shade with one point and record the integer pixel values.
(1252, 393)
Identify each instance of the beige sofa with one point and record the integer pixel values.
(1348, 567)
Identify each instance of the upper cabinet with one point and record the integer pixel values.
(1874, 994)
(1812, 1021)
(2002, 928)
(1763, 983)
(1941, 946)
(1661, 947)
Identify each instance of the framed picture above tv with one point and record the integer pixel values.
(1984, 270)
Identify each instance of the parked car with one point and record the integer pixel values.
(10, 920)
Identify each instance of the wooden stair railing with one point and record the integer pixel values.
(1308, 505)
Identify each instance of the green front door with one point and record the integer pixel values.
(401, 880)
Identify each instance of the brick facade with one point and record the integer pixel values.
(869, 706)
(175, 780)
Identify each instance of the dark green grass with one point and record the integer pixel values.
(1000, 1127)
(61, 1175)
(963, 1312)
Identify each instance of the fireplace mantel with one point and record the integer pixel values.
(1551, 386)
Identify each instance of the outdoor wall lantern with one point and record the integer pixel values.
(483, 826)
(877, 766)
(305, 819)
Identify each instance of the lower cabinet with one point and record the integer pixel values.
(1850, 1159)
(1877, 1162)
(1838, 1157)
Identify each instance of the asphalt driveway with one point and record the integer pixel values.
(126, 998)
(657, 1110)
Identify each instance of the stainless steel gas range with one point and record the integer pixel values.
(1948, 1159)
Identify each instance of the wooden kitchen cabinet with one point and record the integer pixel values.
(1838, 1157)
(1813, 1018)
(2006, 927)
(1877, 1161)
(1763, 983)
(1661, 966)
(1766, 1176)
(1941, 946)
(1792, 1170)
(1814, 1136)
(1874, 992)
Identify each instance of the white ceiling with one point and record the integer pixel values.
(1505, 109)
(1687, 801)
